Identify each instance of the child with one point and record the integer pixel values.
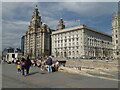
(18, 66)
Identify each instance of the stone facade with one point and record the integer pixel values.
(116, 35)
(72, 43)
(80, 41)
(37, 38)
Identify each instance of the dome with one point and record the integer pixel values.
(44, 25)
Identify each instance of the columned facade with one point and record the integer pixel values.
(80, 41)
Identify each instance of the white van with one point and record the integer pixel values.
(11, 56)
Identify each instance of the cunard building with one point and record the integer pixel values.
(37, 37)
(80, 41)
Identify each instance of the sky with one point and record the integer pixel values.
(17, 15)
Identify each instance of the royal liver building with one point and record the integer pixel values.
(37, 38)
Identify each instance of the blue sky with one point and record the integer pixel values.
(17, 15)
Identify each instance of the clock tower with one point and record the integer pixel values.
(116, 34)
(37, 38)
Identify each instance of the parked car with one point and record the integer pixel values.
(92, 58)
(84, 58)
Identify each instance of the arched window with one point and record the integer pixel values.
(117, 53)
(69, 53)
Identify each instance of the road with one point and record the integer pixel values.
(40, 79)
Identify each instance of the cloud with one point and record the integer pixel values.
(12, 32)
(91, 9)
(16, 16)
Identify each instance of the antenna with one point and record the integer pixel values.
(36, 7)
(60, 15)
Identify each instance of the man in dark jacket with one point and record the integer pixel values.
(27, 65)
(49, 63)
(23, 65)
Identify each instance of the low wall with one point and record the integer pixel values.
(91, 64)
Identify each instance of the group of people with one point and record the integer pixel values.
(23, 65)
(47, 63)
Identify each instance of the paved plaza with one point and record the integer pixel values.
(43, 79)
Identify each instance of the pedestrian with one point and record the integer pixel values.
(18, 66)
(56, 65)
(23, 65)
(18, 60)
(42, 65)
(49, 64)
(27, 66)
(32, 62)
(15, 60)
(45, 59)
(35, 62)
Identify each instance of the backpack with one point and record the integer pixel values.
(23, 63)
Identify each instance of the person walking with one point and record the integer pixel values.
(23, 65)
(49, 63)
(27, 66)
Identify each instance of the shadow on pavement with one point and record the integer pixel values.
(33, 73)
(43, 73)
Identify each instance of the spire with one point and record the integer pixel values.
(119, 7)
(61, 21)
(35, 13)
(36, 19)
(36, 7)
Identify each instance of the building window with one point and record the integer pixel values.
(73, 53)
(117, 53)
(69, 53)
(77, 39)
(69, 40)
(77, 43)
(77, 35)
(65, 40)
(117, 41)
(69, 44)
(77, 47)
(73, 39)
(77, 52)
